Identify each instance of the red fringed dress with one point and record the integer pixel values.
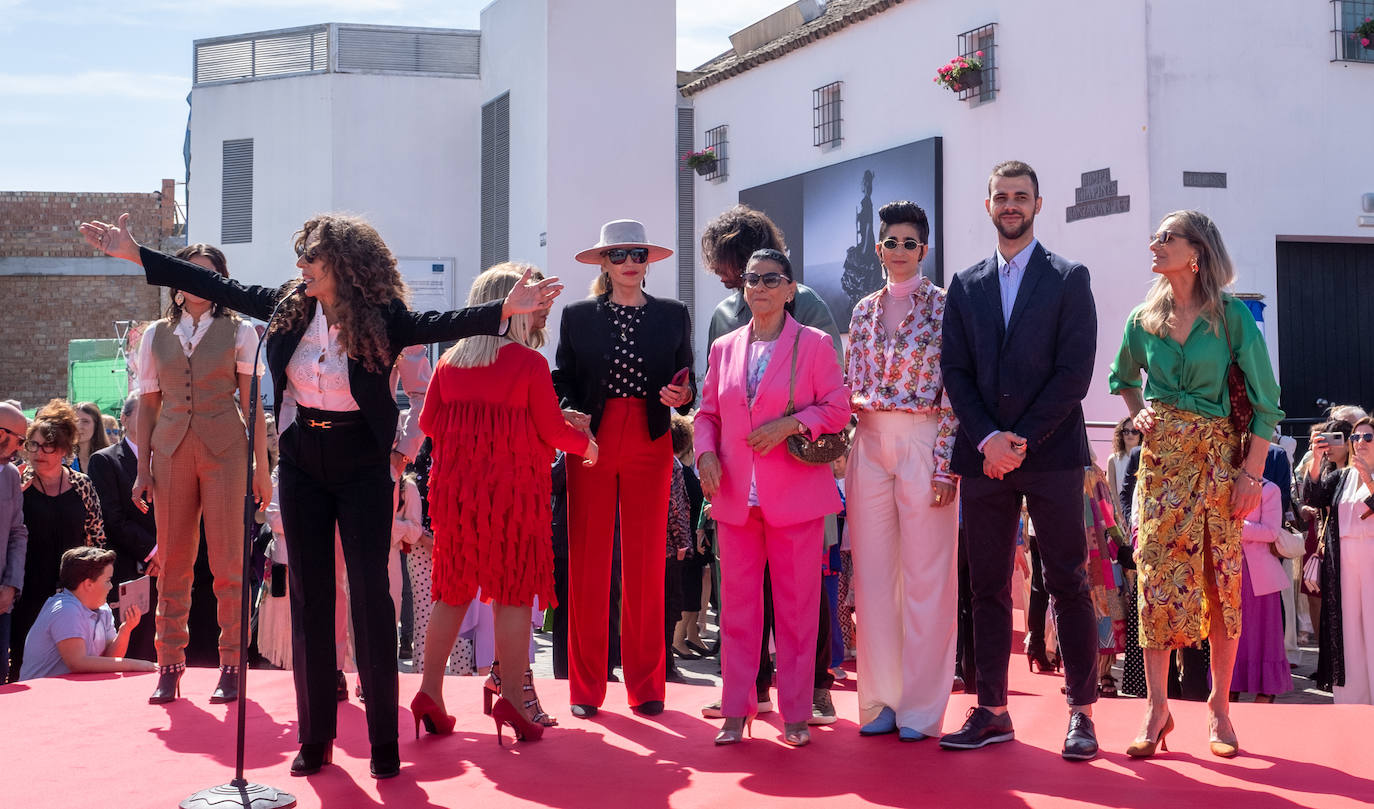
(494, 430)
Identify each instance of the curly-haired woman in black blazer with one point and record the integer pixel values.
(330, 355)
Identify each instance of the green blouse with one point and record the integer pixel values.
(1192, 376)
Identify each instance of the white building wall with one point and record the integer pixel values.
(611, 150)
(1287, 125)
(399, 151)
(1071, 100)
(291, 125)
(515, 37)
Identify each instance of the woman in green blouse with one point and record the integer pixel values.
(1191, 495)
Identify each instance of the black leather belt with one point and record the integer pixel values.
(313, 419)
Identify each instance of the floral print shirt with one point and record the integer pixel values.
(901, 372)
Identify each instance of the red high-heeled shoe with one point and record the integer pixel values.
(427, 711)
(491, 690)
(505, 713)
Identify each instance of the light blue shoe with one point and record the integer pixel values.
(886, 722)
(910, 735)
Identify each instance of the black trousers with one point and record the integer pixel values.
(328, 477)
(991, 510)
(1039, 601)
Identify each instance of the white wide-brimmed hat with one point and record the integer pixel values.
(626, 234)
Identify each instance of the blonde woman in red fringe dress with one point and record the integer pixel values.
(494, 419)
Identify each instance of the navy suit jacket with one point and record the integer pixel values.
(1028, 376)
(130, 533)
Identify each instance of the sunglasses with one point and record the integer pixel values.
(8, 431)
(1130, 432)
(1166, 236)
(32, 446)
(308, 254)
(1358, 437)
(617, 255)
(909, 245)
(771, 280)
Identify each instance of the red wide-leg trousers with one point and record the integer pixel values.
(632, 474)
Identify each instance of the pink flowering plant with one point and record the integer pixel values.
(954, 73)
(1364, 32)
(702, 158)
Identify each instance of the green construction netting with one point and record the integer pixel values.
(96, 373)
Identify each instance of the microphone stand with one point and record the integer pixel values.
(239, 792)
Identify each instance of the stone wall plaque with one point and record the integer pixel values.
(1096, 196)
(1204, 179)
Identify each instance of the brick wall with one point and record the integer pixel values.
(43, 312)
(43, 223)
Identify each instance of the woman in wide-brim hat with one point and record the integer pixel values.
(618, 352)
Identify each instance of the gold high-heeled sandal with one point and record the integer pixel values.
(1223, 748)
(1144, 748)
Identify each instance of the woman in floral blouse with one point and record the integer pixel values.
(900, 491)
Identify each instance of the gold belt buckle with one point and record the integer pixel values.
(323, 425)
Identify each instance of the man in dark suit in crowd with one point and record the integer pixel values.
(129, 528)
(1020, 335)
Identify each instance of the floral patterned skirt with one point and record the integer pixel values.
(1186, 529)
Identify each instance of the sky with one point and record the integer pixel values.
(93, 94)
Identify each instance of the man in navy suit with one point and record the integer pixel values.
(130, 529)
(1020, 335)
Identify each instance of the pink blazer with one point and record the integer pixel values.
(789, 491)
(1261, 528)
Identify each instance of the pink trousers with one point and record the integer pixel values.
(793, 556)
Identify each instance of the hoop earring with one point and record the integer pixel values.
(179, 299)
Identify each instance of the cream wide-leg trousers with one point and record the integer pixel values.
(905, 570)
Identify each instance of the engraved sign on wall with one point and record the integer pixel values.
(1097, 196)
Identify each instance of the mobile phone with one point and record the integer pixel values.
(1334, 439)
(680, 378)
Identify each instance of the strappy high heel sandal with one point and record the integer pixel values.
(492, 690)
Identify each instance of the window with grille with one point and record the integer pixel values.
(1348, 16)
(236, 193)
(717, 142)
(982, 39)
(826, 120)
(496, 181)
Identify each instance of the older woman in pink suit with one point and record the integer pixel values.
(770, 508)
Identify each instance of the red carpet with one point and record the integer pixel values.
(94, 741)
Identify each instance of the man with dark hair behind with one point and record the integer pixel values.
(75, 631)
(726, 245)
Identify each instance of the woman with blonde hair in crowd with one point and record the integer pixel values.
(1193, 486)
(494, 420)
(1346, 661)
(90, 435)
(61, 511)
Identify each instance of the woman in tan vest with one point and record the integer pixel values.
(192, 447)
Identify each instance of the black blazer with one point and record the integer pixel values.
(1029, 376)
(370, 389)
(585, 342)
(130, 533)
